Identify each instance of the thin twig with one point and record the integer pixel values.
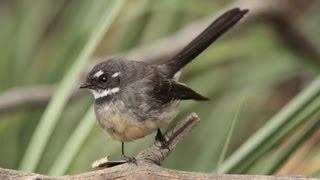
(27, 97)
(155, 153)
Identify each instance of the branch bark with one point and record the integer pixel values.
(21, 97)
(142, 171)
(147, 164)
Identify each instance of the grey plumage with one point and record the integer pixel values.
(138, 105)
(133, 99)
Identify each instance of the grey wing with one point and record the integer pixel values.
(166, 90)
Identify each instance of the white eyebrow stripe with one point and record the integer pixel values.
(98, 74)
(116, 74)
(104, 93)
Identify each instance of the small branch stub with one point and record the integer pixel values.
(155, 153)
(147, 164)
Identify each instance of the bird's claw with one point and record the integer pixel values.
(163, 141)
(129, 159)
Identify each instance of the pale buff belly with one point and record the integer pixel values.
(126, 127)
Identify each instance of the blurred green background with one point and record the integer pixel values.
(250, 74)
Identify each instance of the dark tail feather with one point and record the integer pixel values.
(203, 40)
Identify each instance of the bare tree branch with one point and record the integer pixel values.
(147, 164)
(142, 171)
(25, 97)
(29, 97)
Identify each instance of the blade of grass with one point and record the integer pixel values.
(134, 34)
(24, 36)
(293, 146)
(271, 127)
(228, 138)
(53, 111)
(73, 144)
(277, 138)
(96, 145)
(74, 23)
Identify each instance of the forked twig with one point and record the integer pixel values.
(155, 153)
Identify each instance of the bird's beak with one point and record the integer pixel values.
(85, 85)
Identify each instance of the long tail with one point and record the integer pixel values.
(202, 41)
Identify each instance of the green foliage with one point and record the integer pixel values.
(59, 100)
(51, 42)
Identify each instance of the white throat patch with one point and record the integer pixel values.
(103, 93)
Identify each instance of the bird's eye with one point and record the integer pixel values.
(103, 78)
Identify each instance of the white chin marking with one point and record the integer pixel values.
(116, 74)
(103, 93)
(98, 74)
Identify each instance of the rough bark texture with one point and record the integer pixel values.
(142, 171)
(147, 166)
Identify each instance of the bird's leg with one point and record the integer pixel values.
(159, 137)
(126, 158)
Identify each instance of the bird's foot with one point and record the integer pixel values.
(129, 159)
(160, 137)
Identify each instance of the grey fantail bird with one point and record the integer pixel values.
(134, 99)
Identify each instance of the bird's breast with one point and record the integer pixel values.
(124, 124)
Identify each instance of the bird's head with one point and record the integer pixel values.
(104, 79)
